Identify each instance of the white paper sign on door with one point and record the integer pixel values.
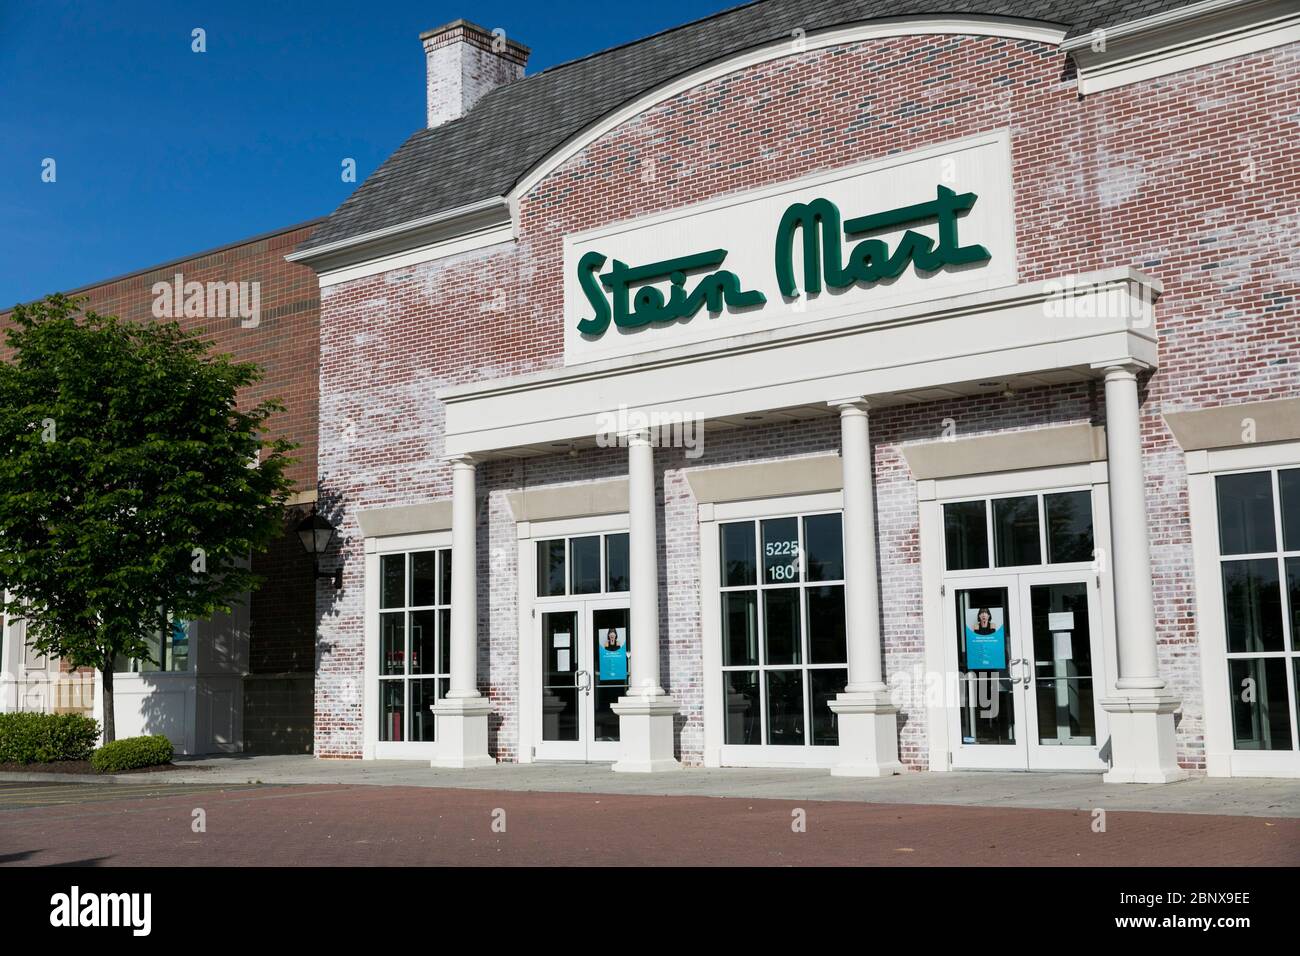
(1060, 621)
(562, 659)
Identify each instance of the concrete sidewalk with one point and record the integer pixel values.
(1059, 791)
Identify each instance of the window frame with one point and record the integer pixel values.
(1203, 465)
(1290, 652)
(367, 696)
(166, 647)
(442, 668)
(711, 515)
(990, 530)
(569, 594)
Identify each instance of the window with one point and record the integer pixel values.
(1022, 528)
(1259, 557)
(167, 652)
(414, 641)
(588, 564)
(783, 630)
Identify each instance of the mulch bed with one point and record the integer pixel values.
(79, 766)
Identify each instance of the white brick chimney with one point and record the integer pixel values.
(464, 62)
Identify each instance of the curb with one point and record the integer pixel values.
(115, 778)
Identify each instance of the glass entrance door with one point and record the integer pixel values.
(1062, 666)
(585, 655)
(986, 724)
(1024, 647)
(562, 686)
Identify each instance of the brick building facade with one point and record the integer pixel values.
(258, 694)
(1139, 157)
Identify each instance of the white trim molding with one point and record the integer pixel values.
(473, 226)
(1181, 39)
(1105, 318)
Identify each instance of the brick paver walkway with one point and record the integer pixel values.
(363, 825)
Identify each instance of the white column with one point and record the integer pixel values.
(643, 567)
(464, 581)
(462, 716)
(645, 715)
(1143, 745)
(868, 723)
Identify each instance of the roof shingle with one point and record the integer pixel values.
(510, 130)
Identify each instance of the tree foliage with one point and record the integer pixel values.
(132, 486)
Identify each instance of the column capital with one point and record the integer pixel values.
(640, 435)
(851, 406)
(1121, 368)
(461, 461)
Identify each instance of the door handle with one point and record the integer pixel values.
(1029, 671)
(584, 686)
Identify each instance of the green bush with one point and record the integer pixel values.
(45, 738)
(132, 752)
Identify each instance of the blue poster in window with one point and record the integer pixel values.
(613, 654)
(986, 640)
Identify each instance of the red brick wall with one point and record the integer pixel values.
(1192, 178)
(284, 343)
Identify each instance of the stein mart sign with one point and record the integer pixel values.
(922, 226)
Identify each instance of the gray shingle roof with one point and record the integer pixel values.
(484, 153)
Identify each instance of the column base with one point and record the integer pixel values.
(1143, 746)
(645, 730)
(868, 724)
(462, 733)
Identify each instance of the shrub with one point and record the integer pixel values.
(132, 752)
(45, 738)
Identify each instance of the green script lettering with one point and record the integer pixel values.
(870, 259)
(648, 305)
(612, 298)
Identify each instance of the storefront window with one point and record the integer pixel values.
(1069, 527)
(966, 535)
(783, 634)
(616, 562)
(586, 565)
(414, 642)
(567, 566)
(1023, 528)
(1015, 531)
(1261, 604)
(168, 652)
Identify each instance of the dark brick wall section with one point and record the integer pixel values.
(283, 610)
(278, 713)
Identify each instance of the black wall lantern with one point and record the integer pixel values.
(315, 533)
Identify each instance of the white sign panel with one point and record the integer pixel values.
(1060, 621)
(920, 226)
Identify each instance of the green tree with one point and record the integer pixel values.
(132, 486)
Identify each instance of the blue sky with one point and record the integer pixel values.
(161, 152)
